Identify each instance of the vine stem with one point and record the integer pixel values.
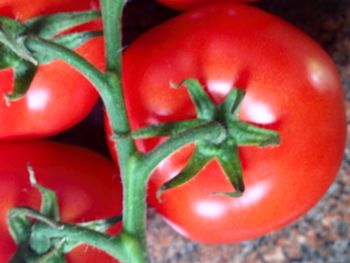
(141, 167)
(119, 247)
(113, 97)
(112, 11)
(108, 86)
(136, 168)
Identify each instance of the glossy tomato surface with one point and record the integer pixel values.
(87, 185)
(291, 85)
(59, 96)
(23, 10)
(191, 4)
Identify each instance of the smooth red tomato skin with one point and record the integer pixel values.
(291, 85)
(59, 96)
(191, 4)
(21, 10)
(87, 185)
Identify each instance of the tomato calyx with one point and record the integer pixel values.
(15, 53)
(26, 227)
(224, 150)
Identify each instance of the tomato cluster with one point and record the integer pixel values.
(87, 185)
(291, 86)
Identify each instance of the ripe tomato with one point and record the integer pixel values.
(21, 10)
(191, 4)
(291, 85)
(59, 96)
(87, 185)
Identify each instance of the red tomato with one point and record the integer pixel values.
(292, 86)
(87, 185)
(191, 4)
(20, 9)
(59, 96)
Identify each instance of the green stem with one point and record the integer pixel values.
(114, 246)
(121, 247)
(109, 87)
(112, 13)
(141, 167)
(97, 77)
(135, 168)
(116, 112)
(211, 131)
(134, 210)
(107, 84)
(8, 40)
(113, 97)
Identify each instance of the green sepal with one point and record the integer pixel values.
(12, 25)
(16, 45)
(248, 134)
(22, 227)
(7, 57)
(230, 162)
(227, 156)
(15, 54)
(204, 106)
(162, 129)
(24, 73)
(49, 204)
(70, 41)
(225, 150)
(50, 25)
(196, 164)
(54, 254)
(33, 246)
(101, 225)
(19, 226)
(75, 40)
(41, 244)
(230, 107)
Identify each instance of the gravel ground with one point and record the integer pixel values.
(323, 234)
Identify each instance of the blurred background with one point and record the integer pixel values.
(323, 234)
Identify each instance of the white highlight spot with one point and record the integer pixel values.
(259, 112)
(37, 99)
(319, 75)
(219, 87)
(253, 194)
(210, 208)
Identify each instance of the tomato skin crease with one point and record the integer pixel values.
(292, 86)
(87, 185)
(59, 96)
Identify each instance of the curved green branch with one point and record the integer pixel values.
(77, 61)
